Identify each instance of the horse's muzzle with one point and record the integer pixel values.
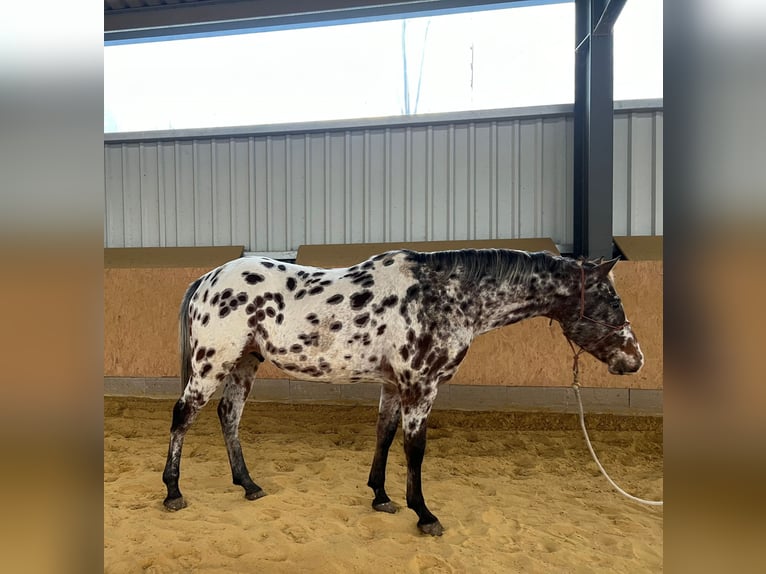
(626, 365)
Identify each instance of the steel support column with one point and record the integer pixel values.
(593, 126)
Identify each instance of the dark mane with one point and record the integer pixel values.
(472, 265)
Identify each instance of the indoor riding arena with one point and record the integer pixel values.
(508, 465)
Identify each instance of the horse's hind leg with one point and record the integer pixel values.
(389, 415)
(195, 396)
(235, 394)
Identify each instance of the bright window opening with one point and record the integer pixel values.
(489, 59)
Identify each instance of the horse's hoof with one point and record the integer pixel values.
(255, 495)
(433, 528)
(389, 507)
(173, 504)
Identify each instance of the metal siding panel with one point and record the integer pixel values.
(568, 231)
(241, 211)
(553, 171)
(277, 193)
(150, 200)
(114, 224)
(260, 193)
(203, 192)
(397, 201)
(621, 179)
(377, 160)
(221, 192)
(504, 180)
(185, 193)
(460, 204)
(131, 167)
(657, 226)
(417, 184)
(481, 182)
(529, 178)
(297, 192)
(356, 188)
(440, 181)
(451, 181)
(335, 173)
(641, 173)
(316, 190)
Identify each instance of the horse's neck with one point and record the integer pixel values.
(497, 304)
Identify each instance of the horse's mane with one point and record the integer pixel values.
(472, 265)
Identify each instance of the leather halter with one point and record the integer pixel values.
(612, 329)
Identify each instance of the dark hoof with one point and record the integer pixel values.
(174, 504)
(389, 507)
(255, 495)
(433, 528)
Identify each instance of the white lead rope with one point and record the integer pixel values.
(576, 388)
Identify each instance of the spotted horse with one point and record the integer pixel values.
(404, 319)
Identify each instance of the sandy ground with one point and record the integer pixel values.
(515, 493)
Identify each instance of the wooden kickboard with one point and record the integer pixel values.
(345, 255)
(640, 247)
(170, 257)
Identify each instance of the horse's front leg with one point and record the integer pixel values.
(389, 415)
(414, 422)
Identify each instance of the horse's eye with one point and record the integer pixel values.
(616, 303)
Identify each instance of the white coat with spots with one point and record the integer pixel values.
(403, 319)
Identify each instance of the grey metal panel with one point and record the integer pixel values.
(638, 173)
(657, 228)
(459, 180)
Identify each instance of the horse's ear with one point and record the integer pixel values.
(606, 267)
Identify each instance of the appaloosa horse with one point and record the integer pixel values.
(404, 319)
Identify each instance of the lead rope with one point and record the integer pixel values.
(576, 387)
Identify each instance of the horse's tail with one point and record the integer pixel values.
(184, 342)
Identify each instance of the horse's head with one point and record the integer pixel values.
(595, 319)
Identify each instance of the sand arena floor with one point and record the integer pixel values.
(515, 493)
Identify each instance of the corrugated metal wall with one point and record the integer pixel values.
(462, 180)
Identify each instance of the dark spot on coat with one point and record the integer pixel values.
(381, 329)
(359, 300)
(267, 264)
(336, 326)
(312, 318)
(205, 319)
(279, 300)
(205, 370)
(242, 297)
(281, 267)
(253, 278)
(404, 352)
(224, 311)
(200, 354)
(300, 294)
(361, 320)
(270, 311)
(226, 294)
(296, 348)
(260, 315)
(204, 297)
(316, 290)
(335, 299)
(214, 300)
(387, 262)
(280, 318)
(209, 353)
(291, 283)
